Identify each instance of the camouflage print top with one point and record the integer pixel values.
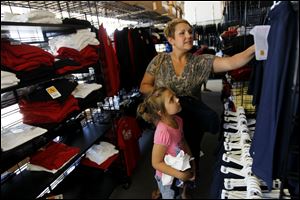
(188, 83)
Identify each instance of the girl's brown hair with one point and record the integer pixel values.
(152, 104)
(169, 31)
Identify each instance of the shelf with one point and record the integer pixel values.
(110, 9)
(44, 79)
(88, 183)
(30, 184)
(11, 157)
(45, 28)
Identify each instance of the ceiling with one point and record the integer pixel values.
(115, 9)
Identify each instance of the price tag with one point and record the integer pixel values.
(260, 34)
(53, 92)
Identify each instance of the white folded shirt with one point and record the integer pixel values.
(15, 136)
(84, 89)
(180, 162)
(101, 152)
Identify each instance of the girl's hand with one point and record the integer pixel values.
(187, 175)
(193, 177)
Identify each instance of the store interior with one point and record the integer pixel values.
(70, 88)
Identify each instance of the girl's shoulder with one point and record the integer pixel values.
(178, 119)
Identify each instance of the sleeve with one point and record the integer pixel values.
(162, 137)
(153, 66)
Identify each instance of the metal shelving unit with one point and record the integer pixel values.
(84, 9)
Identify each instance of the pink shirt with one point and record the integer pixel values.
(169, 137)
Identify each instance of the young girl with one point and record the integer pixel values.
(160, 108)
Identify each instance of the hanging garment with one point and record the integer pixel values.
(128, 133)
(275, 75)
(109, 60)
(123, 55)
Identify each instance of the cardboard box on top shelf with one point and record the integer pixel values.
(165, 8)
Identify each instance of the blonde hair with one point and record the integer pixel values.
(152, 104)
(169, 31)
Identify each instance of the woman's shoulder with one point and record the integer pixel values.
(201, 57)
(202, 60)
(161, 56)
(159, 59)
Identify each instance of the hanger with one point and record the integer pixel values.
(234, 119)
(240, 160)
(244, 172)
(237, 135)
(239, 111)
(275, 3)
(231, 183)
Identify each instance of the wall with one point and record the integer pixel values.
(199, 12)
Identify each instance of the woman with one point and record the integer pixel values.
(183, 73)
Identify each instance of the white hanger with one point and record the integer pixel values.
(231, 183)
(251, 122)
(238, 142)
(242, 159)
(236, 134)
(237, 126)
(230, 146)
(274, 194)
(253, 189)
(236, 118)
(230, 195)
(232, 139)
(239, 111)
(275, 3)
(227, 157)
(244, 172)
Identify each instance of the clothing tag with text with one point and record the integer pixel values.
(53, 92)
(260, 34)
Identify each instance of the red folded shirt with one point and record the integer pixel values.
(24, 57)
(54, 156)
(104, 165)
(47, 112)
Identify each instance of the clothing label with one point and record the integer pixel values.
(53, 92)
(260, 34)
